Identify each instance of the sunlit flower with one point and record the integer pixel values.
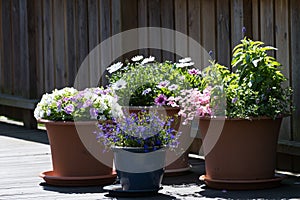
(148, 60)
(137, 58)
(115, 67)
(182, 65)
(185, 60)
(120, 84)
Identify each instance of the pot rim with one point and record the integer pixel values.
(219, 118)
(88, 122)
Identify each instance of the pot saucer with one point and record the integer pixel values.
(117, 191)
(243, 184)
(52, 179)
(176, 172)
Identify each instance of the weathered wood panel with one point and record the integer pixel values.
(283, 53)
(295, 64)
(223, 32)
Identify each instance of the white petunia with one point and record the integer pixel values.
(185, 60)
(114, 67)
(148, 60)
(120, 84)
(137, 58)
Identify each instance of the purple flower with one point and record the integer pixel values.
(87, 103)
(163, 84)
(160, 100)
(146, 91)
(173, 87)
(69, 109)
(93, 113)
(194, 71)
(234, 100)
(244, 30)
(58, 104)
(210, 53)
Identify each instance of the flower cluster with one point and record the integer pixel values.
(145, 82)
(69, 104)
(255, 89)
(146, 129)
(193, 103)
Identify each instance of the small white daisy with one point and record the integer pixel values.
(137, 58)
(114, 67)
(181, 65)
(148, 60)
(120, 84)
(185, 60)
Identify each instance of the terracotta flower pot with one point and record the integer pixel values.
(71, 158)
(177, 160)
(243, 155)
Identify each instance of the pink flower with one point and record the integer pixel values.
(160, 100)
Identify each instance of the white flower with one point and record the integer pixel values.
(120, 84)
(148, 60)
(185, 60)
(114, 67)
(187, 64)
(137, 58)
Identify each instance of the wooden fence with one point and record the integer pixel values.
(44, 42)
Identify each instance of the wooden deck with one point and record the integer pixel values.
(24, 153)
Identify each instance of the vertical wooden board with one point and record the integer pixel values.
(1, 49)
(6, 49)
(267, 22)
(283, 53)
(255, 20)
(295, 65)
(32, 50)
(94, 40)
(39, 67)
(116, 27)
(82, 42)
(59, 43)
(194, 30)
(20, 48)
(105, 32)
(167, 21)
(154, 21)
(223, 32)
(129, 16)
(181, 45)
(49, 78)
(143, 22)
(208, 29)
(237, 22)
(70, 41)
(247, 17)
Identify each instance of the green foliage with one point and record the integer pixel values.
(255, 88)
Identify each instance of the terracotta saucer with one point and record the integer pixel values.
(243, 184)
(52, 179)
(176, 172)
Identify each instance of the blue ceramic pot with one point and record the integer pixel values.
(139, 170)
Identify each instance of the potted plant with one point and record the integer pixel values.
(143, 84)
(139, 142)
(70, 117)
(240, 115)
